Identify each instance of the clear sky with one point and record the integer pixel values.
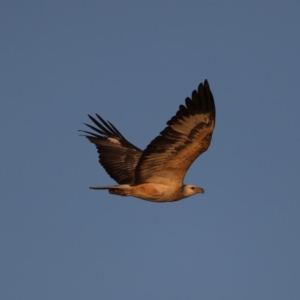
(134, 63)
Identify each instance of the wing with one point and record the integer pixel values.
(188, 134)
(118, 157)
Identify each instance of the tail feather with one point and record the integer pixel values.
(121, 186)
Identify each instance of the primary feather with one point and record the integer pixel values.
(117, 156)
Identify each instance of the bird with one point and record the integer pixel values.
(157, 173)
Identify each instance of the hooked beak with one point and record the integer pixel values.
(200, 190)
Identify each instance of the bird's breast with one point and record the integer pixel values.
(155, 192)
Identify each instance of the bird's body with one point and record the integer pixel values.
(154, 192)
(156, 174)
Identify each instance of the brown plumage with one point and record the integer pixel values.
(157, 173)
(117, 156)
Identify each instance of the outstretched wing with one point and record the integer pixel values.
(188, 134)
(118, 157)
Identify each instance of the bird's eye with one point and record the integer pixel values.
(192, 187)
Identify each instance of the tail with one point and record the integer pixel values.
(121, 186)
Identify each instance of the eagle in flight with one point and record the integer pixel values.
(157, 173)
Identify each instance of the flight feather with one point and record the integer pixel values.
(118, 156)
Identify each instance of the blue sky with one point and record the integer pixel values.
(134, 63)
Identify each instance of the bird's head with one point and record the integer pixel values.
(190, 190)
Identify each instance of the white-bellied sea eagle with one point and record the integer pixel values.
(157, 173)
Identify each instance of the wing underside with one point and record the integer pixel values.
(118, 156)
